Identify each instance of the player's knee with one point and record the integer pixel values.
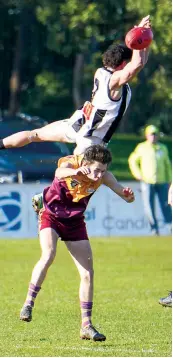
(87, 275)
(33, 136)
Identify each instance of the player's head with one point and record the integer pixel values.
(116, 56)
(97, 159)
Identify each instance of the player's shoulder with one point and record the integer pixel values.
(97, 72)
(101, 71)
(73, 161)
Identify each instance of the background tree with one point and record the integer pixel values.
(62, 43)
(151, 101)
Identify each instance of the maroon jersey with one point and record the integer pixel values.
(69, 197)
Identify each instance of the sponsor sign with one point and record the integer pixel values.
(106, 215)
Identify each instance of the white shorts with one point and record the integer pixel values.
(73, 137)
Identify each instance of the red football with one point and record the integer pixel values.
(139, 38)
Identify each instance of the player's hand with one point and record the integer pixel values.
(83, 170)
(128, 195)
(145, 22)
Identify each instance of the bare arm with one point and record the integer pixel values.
(125, 193)
(66, 170)
(130, 70)
(138, 61)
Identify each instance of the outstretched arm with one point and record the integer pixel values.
(125, 193)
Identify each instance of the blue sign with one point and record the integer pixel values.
(10, 211)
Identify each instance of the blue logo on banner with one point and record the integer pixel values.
(10, 211)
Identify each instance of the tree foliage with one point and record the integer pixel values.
(152, 92)
(63, 44)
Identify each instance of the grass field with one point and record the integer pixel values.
(130, 276)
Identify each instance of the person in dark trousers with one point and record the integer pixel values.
(149, 163)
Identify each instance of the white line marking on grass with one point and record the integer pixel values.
(92, 348)
(98, 349)
(28, 347)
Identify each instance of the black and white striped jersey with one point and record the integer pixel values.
(101, 116)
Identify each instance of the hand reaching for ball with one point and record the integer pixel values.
(145, 22)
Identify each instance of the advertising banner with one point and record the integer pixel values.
(107, 214)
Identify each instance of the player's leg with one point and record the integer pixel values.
(83, 259)
(48, 243)
(81, 254)
(148, 196)
(162, 192)
(56, 131)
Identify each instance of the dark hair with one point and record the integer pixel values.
(97, 153)
(115, 55)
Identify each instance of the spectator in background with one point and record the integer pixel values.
(150, 164)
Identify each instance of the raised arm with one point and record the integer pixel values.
(138, 61)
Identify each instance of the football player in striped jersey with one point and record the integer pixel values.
(98, 119)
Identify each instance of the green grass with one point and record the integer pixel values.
(130, 276)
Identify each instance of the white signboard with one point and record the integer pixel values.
(106, 215)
